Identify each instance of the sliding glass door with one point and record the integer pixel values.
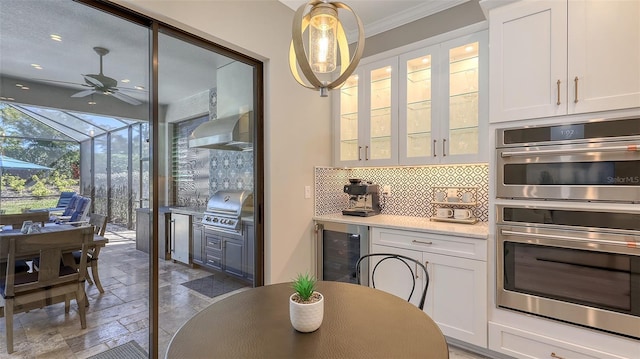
(127, 93)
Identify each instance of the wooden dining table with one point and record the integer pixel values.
(7, 232)
(359, 322)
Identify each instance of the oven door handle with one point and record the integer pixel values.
(627, 148)
(569, 238)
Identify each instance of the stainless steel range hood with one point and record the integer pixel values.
(234, 133)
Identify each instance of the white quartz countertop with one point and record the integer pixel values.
(478, 230)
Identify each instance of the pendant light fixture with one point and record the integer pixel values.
(327, 43)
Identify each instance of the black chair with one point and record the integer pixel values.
(406, 261)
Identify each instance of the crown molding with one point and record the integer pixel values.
(404, 17)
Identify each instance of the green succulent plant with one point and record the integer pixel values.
(304, 285)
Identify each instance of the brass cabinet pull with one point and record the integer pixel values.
(359, 153)
(554, 355)
(444, 144)
(558, 103)
(434, 148)
(366, 153)
(576, 82)
(421, 242)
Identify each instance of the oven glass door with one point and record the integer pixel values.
(598, 172)
(608, 281)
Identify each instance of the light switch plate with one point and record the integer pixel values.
(307, 191)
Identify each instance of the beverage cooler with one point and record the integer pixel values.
(339, 246)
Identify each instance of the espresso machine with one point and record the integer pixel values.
(364, 200)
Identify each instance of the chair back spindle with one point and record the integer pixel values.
(407, 261)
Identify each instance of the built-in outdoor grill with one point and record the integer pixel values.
(225, 210)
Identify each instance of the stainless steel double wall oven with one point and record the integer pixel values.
(568, 223)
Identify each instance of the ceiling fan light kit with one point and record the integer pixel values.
(326, 39)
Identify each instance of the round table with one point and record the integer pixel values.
(359, 322)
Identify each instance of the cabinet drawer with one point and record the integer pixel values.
(213, 243)
(213, 260)
(522, 344)
(432, 243)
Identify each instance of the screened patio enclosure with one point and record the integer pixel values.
(101, 157)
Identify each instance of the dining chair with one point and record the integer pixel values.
(408, 262)
(15, 220)
(99, 223)
(52, 283)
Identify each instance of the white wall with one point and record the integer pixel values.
(297, 120)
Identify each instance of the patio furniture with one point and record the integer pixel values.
(79, 214)
(359, 322)
(99, 223)
(16, 220)
(63, 203)
(52, 283)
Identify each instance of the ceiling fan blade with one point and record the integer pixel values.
(126, 98)
(84, 93)
(61, 82)
(93, 81)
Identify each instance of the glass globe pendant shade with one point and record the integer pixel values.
(323, 43)
(327, 46)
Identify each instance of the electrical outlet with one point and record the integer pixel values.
(386, 190)
(307, 191)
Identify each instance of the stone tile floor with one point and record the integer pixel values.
(121, 313)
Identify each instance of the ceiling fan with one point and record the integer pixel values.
(104, 84)
(101, 84)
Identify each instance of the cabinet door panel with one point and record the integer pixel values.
(348, 122)
(234, 257)
(529, 56)
(418, 79)
(604, 54)
(457, 294)
(380, 128)
(464, 90)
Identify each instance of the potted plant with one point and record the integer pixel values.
(306, 305)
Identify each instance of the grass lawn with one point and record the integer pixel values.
(15, 205)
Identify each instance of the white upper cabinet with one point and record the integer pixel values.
(422, 107)
(464, 89)
(552, 58)
(604, 55)
(418, 123)
(366, 126)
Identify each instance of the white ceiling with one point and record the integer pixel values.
(26, 27)
(184, 69)
(379, 16)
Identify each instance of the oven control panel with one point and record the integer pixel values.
(219, 221)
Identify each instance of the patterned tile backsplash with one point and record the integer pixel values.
(199, 173)
(412, 188)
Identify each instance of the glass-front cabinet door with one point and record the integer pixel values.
(464, 87)
(348, 146)
(427, 106)
(367, 122)
(381, 118)
(418, 125)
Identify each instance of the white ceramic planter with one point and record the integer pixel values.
(306, 317)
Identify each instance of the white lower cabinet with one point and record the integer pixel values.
(457, 292)
(524, 344)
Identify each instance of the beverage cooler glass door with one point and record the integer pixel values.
(339, 246)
